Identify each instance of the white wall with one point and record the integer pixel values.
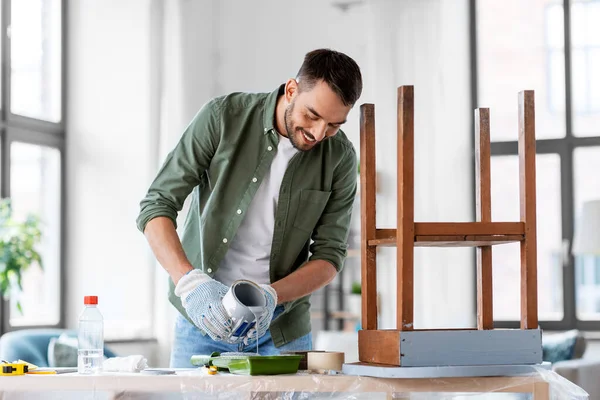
(253, 46)
(425, 44)
(131, 93)
(109, 158)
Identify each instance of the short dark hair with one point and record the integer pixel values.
(338, 70)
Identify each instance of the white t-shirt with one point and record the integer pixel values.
(249, 253)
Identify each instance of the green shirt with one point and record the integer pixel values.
(221, 159)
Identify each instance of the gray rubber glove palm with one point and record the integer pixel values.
(201, 296)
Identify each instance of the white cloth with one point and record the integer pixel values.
(250, 250)
(134, 363)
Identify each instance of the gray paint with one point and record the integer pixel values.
(470, 347)
(378, 371)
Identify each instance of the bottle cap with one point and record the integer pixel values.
(90, 300)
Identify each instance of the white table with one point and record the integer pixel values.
(196, 384)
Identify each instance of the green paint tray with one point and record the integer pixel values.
(259, 365)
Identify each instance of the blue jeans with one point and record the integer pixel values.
(189, 341)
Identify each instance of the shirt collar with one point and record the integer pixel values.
(270, 105)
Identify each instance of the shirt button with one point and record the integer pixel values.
(224, 240)
(254, 179)
(269, 148)
(239, 211)
(209, 270)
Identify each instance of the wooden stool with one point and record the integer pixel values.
(407, 346)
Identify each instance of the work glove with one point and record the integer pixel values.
(264, 320)
(201, 298)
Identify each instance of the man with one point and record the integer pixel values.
(273, 178)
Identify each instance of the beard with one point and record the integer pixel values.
(295, 133)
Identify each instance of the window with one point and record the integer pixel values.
(35, 188)
(587, 289)
(512, 56)
(506, 258)
(536, 45)
(585, 72)
(36, 59)
(31, 145)
(585, 53)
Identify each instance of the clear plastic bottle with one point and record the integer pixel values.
(90, 337)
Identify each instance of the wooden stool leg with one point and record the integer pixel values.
(405, 232)
(368, 217)
(483, 200)
(529, 312)
(541, 391)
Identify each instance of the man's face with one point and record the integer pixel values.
(312, 115)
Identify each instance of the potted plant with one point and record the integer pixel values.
(354, 302)
(17, 249)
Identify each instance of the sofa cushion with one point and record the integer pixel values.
(29, 345)
(62, 351)
(563, 346)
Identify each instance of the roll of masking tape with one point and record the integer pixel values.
(325, 360)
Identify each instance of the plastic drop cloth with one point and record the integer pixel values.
(194, 384)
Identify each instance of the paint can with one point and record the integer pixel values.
(244, 302)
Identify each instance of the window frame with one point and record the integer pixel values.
(565, 148)
(17, 128)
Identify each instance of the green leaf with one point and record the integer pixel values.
(19, 307)
(4, 285)
(19, 279)
(18, 242)
(5, 210)
(38, 258)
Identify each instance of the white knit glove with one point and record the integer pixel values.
(264, 320)
(201, 297)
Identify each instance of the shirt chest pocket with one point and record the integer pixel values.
(311, 206)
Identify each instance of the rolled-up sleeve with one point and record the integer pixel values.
(330, 236)
(183, 167)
